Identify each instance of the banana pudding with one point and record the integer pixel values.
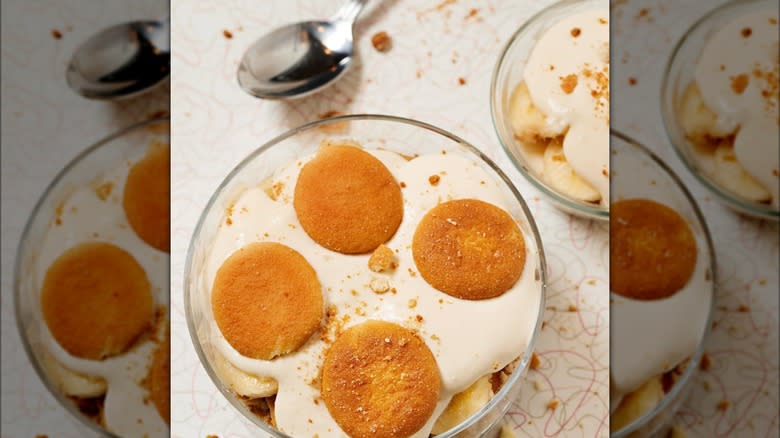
(102, 273)
(729, 111)
(338, 290)
(559, 111)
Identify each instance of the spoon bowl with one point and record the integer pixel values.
(121, 61)
(301, 58)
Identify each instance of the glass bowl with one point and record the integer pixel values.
(679, 74)
(638, 173)
(508, 73)
(405, 136)
(104, 156)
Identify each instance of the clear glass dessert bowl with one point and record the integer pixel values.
(407, 137)
(507, 74)
(638, 173)
(679, 75)
(91, 165)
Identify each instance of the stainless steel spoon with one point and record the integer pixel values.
(299, 59)
(122, 61)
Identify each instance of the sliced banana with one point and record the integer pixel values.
(464, 404)
(242, 383)
(634, 405)
(528, 123)
(733, 177)
(73, 383)
(560, 175)
(697, 120)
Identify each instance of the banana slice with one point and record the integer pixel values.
(73, 383)
(637, 403)
(560, 175)
(696, 119)
(464, 404)
(529, 125)
(244, 384)
(733, 177)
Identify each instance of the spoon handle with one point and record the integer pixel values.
(350, 11)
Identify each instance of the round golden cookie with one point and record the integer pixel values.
(380, 380)
(159, 378)
(469, 249)
(96, 300)
(652, 251)
(146, 199)
(267, 300)
(347, 200)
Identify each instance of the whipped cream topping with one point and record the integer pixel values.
(567, 75)
(84, 217)
(468, 338)
(651, 337)
(737, 74)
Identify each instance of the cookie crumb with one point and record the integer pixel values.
(739, 83)
(705, 362)
(227, 34)
(632, 81)
(379, 285)
(723, 405)
(382, 41)
(462, 80)
(434, 180)
(568, 83)
(746, 32)
(382, 259)
(56, 34)
(575, 32)
(552, 404)
(535, 361)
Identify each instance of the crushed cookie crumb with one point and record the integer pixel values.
(402, 184)
(575, 32)
(419, 318)
(462, 80)
(379, 285)
(103, 191)
(382, 259)
(568, 83)
(743, 308)
(56, 34)
(552, 404)
(434, 180)
(632, 81)
(603, 20)
(746, 32)
(535, 361)
(739, 83)
(723, 405)
(227, 34)
(382, 41)
(412, 303)
(573, 308)
(705, 363)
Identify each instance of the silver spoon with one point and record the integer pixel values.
(122, 61)
(299, 59)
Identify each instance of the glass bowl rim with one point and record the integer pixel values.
(672, 130)
(58, 395)
(693, 363)
(598, 213)
(515, 377)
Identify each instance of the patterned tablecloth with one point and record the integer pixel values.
(44, 126)
(743, 347)
(438, 71)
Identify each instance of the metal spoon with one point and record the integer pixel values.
(299, 59)
(122, 61)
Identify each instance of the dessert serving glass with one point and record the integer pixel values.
(641, 174)
(373, 132)
(508, 73)
(92, 165)
(681, 73)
